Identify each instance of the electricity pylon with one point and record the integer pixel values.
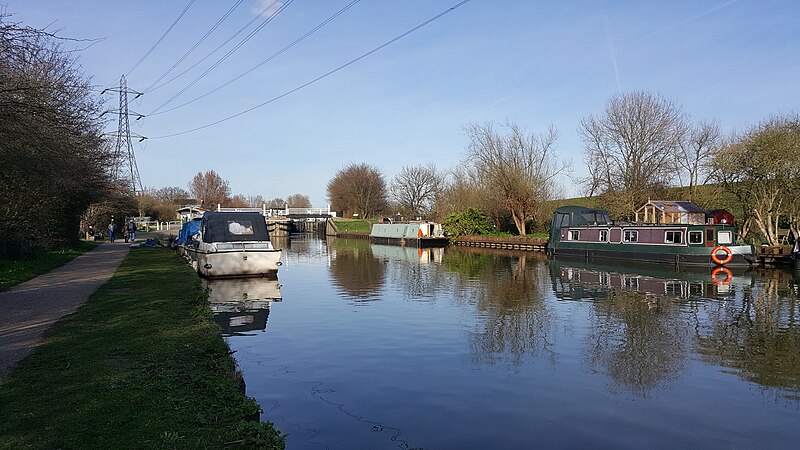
(123, 148)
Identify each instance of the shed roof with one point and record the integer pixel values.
(675, 206)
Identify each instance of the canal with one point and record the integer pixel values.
(374, 346)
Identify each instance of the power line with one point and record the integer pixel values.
(327, 74)
(175, 22)
(262, 12)
(226, 55)
(197, 44)
(257, 66)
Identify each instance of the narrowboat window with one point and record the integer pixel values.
(631, 236)
(673, 237)
(603, 236)
(709, 234)
(724, 237)
(695, 237)
(574, 235)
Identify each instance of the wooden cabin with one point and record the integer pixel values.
(664, 212)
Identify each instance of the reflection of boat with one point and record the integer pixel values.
(418, 254)
(414, 234)
(233, 244)
(242, 304)
(589, 233)
(575, 279)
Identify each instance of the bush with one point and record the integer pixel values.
(469, 222)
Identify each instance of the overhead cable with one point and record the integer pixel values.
(349, 63)
(175, 22)
(257, 66)
(197, 44)
(226, 55)
(220, 46)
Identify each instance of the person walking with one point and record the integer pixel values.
(132, 228)
(111, 228)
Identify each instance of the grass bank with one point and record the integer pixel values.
(15, 271)
(354, 225)
(141, 365)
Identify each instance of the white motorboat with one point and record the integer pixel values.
(233, 244)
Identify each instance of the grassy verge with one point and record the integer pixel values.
(354, 225)
(15, 271)
(141, 365)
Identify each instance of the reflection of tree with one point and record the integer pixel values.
(639, 345)
(761, 339)
(354, 270)
(509, 298)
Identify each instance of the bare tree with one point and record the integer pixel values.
(696, 152)
(209, 188)
(298, 201)
(237, 201)
(414, 189)
(54, 160)
(276, 202)
(631, 148)
(358, 189)
(172, 195)
(519, 168)
(761, 169)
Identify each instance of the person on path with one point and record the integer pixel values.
(131, 227)
(111, 228)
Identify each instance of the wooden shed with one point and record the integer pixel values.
(663, 211)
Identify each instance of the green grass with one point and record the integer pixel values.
(15, 271)
(141, 365)
(355, 225)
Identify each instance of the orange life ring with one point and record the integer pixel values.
(726, 271)
(727, 258)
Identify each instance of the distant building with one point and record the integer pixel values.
(661, 211)
(719, 217)
(190, 212)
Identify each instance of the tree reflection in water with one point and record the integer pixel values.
(514, 319)
(759, 335)
(354, 270)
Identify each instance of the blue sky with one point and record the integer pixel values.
(534, 63)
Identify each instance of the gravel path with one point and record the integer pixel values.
(30, 309)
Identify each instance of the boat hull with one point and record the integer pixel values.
(235, 263)
(425, 242)
(742, 255)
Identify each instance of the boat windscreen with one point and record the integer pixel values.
(232, 227)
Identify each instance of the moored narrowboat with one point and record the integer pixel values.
(413, 234)
(589, 233)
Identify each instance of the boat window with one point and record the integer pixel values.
(724, 237)
(709, 234)
(240, 227)
(574, 235)
(631, 236)
(603, 236)
(695, 237)
(673, 237)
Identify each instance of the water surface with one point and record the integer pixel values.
(374, 346)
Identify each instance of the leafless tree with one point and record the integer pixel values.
(209, 188)
(358, 189)
(298, 201)
(518, 167)
(172, 195)
(237, 201)
(414, 189)
(631, 148)
(695, 154)
(761, 169)
(54, 160)
(276, 202)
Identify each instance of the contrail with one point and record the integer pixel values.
(612, 52)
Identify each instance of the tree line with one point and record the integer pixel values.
(641, 146)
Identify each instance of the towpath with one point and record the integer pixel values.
(30, 309)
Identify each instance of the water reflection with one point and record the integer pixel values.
(411, 270)
(508, 290)
(759, 336)
(354, 270)
(242, 305)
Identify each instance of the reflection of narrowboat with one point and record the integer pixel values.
(241, 305)
(589, 233)
(413, 234)
(233, 244)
